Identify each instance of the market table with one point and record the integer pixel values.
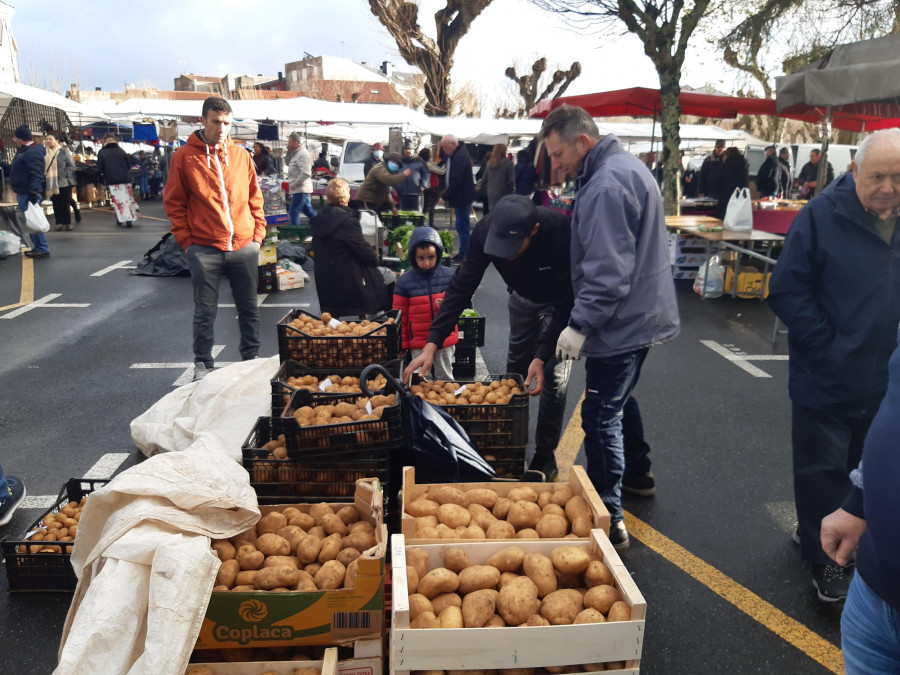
(729, 240)
(775, 221)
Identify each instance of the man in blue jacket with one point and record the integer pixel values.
(410, 191)
(837, 289)
(624, 298)
(27, 180)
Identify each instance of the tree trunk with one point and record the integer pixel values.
(669, 91)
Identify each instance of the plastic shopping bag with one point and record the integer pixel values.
(35, 219)
(715, 279)
(10, 244)
(739, 214)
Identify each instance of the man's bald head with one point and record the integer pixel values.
(449, 143)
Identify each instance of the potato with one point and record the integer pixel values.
(302, 520)
(418, 603)
(418, 558)
(272, 544)
(360, 526)
(473, 532)
(313, 568)
(428, 533)
(437, 581)
(317, 531)
(308, 549)
(581, 527)
(361, 540)
(451, 617)
(516, 671)
(523, 514)
(619, 611)
(350, 576)
(507, 559)
(425, 620)
(562, 493)
(601, 598)
(527, 533)
(439, 602)
(412, 579)
(570, 559)
(422, 507)
(246, 537)
(330, 576)
(559, 608)
(597, 573)
(539, 568)
(271, 522)
(501, 530)
(506, 577)
(426, 521)
(293, 535)
(333, 524)
(289, 512)
(501, 508)
(445, 532)
(305, 582)
(578, 506)
(536, 620)
(245, 578)
(319, 511)
(552, 526)
(249, 558)
(456, 559)
(478, 607)
(273, 577)
(589, 615)
(347, 556)
(517, 601)
(348, 514)
(227, 573)
(244, 589)
(544, 498)
(554, 508)
(282, 561)
(223, 548)
(482, 496)
(447, 494)
(478, 577)
(522, 493)
(453, 515)
(495, 621)
(331, 546)
(568, 580)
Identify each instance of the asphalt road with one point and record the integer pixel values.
(711, 552)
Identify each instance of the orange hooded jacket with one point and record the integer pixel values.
(212, 196)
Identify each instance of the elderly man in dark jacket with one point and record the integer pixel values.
(460, 190)
(767, 176)
(26, 178)
(837, 289)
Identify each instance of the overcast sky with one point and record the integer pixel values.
(109, 45)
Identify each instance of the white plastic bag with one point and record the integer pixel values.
(739, 214)
(35, 219)
(715, 280)
(10, 244)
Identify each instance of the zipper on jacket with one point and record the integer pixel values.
(225, 200)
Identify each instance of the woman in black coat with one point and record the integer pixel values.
(348, 280)
(734, 175)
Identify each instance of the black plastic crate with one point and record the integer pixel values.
(266, 282)
(46, 571)
(414, 219)
(282, 391)
(331, 478)
(471, 331)
(463, 371)
(340, 352)
(348, 437)
(464, 355)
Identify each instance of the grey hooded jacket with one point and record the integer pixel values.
(299, 171)
(624, 294)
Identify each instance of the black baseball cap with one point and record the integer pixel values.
(511, 221)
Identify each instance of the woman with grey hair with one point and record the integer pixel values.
(59, 172)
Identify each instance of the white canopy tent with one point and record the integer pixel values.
(78, 113)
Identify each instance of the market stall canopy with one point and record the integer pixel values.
(859, 81)
(77, 112)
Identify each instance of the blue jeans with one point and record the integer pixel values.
(870, 632)
(144, 185)
(38, 239)
(609, 382)
(208, 265)
(301, 203)
(463, 227)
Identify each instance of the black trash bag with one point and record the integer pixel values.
(166, 259)
(286, 249)
(433, 442)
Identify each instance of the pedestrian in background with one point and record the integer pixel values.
(410, 190)
(60, 179)
(500, 175)
(524, 178)
(215, 204)
(26, 177)
(837, 289)
(709, 181)
(733, 175)
(375, 191)
(115, 164)
(785, 174)
(299, 179)
(432, 192)
(459, 191)
(262, 160)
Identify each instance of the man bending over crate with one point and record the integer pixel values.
(529, 246)
(214, 202)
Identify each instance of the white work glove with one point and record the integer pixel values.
(569, 344)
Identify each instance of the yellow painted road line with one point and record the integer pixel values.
(26, 295)
(162, 220)
(787, 628)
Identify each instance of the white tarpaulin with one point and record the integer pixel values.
(144, 564)
(78, 113)
(222, 407)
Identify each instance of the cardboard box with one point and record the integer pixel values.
(750, 282)
(514, 647)
(328, 666)
(334, 617)
(289, 280)
(578, 481)
(268, 253)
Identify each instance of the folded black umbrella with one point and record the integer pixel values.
(433, 442)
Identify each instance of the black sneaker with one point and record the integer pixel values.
(618, 536)
(9, 502)
(542, 470)
(642, 485)
(831, 581)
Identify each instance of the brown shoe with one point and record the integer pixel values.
(37, 254)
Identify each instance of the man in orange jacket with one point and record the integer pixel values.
(214, 202)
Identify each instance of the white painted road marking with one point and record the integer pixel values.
(121, 265)
(42, 303)
(740, 359)
(188, 374)
(105, 467)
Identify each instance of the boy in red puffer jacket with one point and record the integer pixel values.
(419, 293)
